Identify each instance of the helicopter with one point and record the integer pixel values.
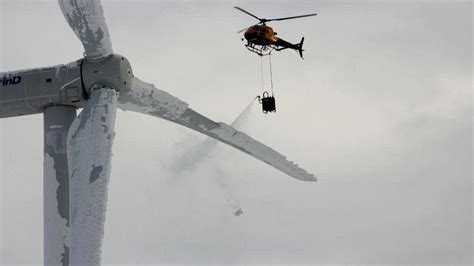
(262, 40)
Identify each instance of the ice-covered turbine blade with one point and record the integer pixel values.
(89, 149)
(57, 120)
(86, 18)
(147, 99)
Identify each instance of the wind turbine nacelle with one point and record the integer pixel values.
(30, 91)
(27, 92)
(113, 72)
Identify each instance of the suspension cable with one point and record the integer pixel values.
(271, 74)
(261, 73)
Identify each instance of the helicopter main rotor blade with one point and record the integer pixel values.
(248, 13)
(86, 19)
(286, 18)
(147, 99)
(247, 28)
(242, 30)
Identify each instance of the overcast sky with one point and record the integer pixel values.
(380, 111)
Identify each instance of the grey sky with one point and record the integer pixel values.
(380, 110)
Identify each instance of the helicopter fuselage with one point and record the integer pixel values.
(261, 37)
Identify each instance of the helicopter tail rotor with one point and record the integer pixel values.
(300, 48)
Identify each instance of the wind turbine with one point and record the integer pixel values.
(77, 149)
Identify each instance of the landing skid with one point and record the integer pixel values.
(261, 50)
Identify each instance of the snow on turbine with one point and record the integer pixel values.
(86, 18)
(90, 142)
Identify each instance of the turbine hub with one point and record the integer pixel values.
(113, 71)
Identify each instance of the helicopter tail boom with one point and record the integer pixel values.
(282, 45)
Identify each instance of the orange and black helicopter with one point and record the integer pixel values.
(261, 39)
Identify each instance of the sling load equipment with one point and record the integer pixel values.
(267, 101)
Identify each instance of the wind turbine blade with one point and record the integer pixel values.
(89, 152)
(86, 18)
(145, 98)
(57, 120)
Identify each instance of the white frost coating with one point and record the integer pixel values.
(58, 71)
(147, 99)
(86, 18)
(90, 141)
(260, 151)
(40, 69)
(55, 228)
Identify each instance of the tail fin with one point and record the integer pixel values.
(300, 48)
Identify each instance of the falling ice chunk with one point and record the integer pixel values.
(238, 212)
